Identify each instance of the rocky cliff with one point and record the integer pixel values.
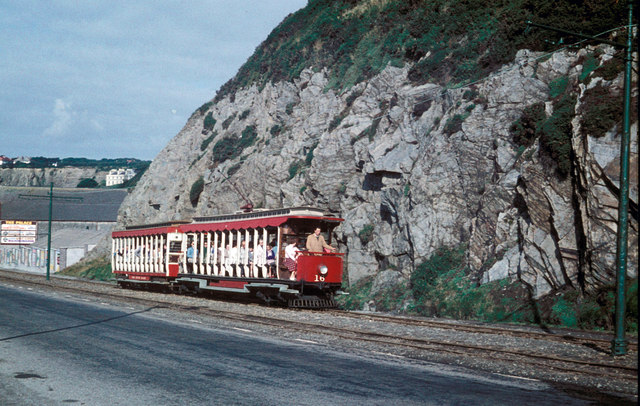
(413, 168)
(42, 177)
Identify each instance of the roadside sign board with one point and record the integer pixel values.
(18, 232)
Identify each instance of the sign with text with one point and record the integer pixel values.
(18, 232)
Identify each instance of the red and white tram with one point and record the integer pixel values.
(223, 255)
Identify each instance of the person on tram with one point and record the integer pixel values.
(242, 258)
(260, 257)
(271, 262)
(232, 260)
(192, 254)
(316, 242)
(291, 253)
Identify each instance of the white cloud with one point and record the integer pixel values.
(62, 119)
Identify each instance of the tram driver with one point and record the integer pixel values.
(316, 242)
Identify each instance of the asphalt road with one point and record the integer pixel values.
(57, 350)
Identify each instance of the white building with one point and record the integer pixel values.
(119, 176)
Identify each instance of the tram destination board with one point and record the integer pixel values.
(15, 232)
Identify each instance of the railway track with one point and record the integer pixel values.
(555, 334)
(540, 361)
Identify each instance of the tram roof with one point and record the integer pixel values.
(236, 221)
(258, 218)
(138, 231)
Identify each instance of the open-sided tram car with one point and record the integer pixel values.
(156, 255)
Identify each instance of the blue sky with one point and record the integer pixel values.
(111, 79)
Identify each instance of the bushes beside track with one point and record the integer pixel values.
(97, 269)
(443, 287)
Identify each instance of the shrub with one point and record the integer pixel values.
(224, 149)
(294, 168)
(563, 312)
(338, 119)
(248, 136)
(391, 298)
(196, 190)
(205, 107)
(600, 111)
(443, 260)
(88, 183)
(209, 122)
(454, 124)
(244, 114)
(366, 234)
(205, 143)
(556, 133)
(289, 108)
(97, 269)
(275, 130)
(233, 169)
(232, 146)
(525, 130)
(594, 311)
(470, 94)
(309, 157)
(441, 286)
(611, 68)
(359, 294)
(558, 86)
(227, 122)
(589, 64)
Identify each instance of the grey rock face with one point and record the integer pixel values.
(424, 166)
(39, 177)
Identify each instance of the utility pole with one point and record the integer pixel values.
(619, 343)
(49, 196)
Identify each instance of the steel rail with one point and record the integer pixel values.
(565, 336)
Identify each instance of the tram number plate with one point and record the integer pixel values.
(319, 278)
(139, 278)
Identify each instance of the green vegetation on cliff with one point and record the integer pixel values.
(447, 41)
(443, 286)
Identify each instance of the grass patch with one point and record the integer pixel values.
(97, 269)
(595, 311)
(359, 294)
(442, 287)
